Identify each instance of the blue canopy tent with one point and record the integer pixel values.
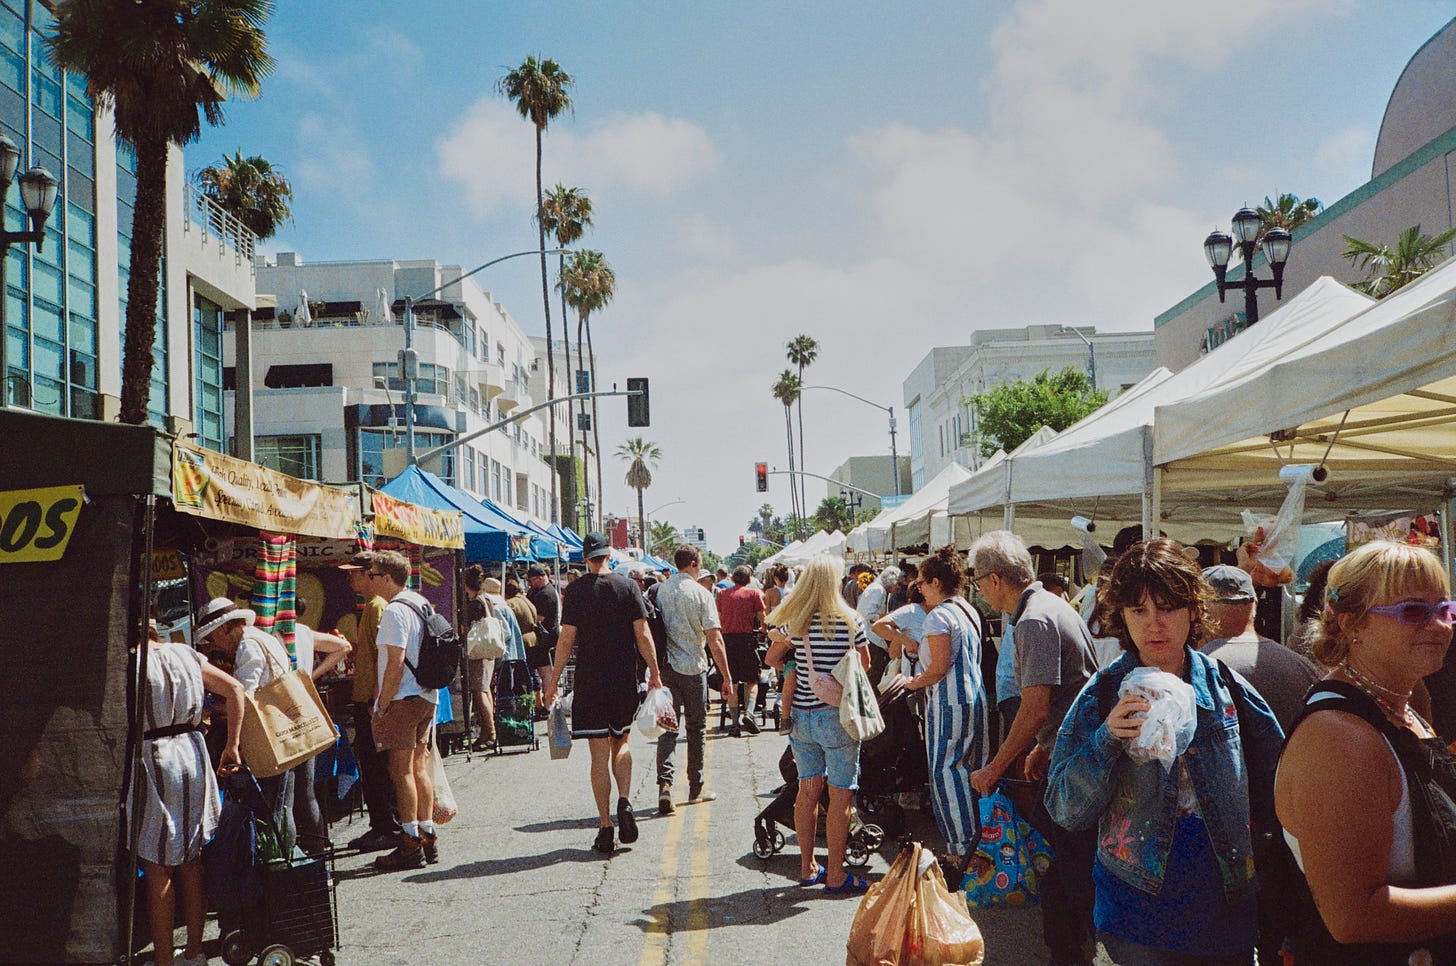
(543, 541)
(487, 533)
(569, 540)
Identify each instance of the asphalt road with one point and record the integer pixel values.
(517, 882)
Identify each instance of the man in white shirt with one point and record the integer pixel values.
(403, 712)
(691, 619)
(873, 604)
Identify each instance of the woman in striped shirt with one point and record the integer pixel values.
(956, 721)
(820, 628)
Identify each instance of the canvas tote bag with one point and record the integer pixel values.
(284, 722)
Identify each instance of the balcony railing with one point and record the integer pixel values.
(203, 213)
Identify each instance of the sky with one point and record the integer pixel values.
(883, 178)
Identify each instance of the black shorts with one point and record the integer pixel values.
(743, 660)
(540, 655)
(603, 704)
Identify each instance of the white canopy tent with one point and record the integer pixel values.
(1372, 397)
(909, 523)
(1101, 467)
(822, 542)
(776, 558)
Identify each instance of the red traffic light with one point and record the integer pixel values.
(762, 470)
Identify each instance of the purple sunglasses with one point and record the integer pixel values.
(1418, 613)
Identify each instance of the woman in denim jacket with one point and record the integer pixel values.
(1174, 874)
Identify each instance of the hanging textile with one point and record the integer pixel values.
(274, 578)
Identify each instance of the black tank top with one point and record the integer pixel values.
(1430, 777)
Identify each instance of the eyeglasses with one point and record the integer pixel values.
(1418, 613)
(373, 573)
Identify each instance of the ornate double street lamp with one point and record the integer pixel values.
(38, 196)
(1218, 246)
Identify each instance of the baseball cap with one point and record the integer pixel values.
(595, 545)
(1230, 584)
(536, 570)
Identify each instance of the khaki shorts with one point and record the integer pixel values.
(404, 725)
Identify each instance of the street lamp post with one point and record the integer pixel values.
(38, 196)
(894, 454)
(1218, 246)
(1091, 352)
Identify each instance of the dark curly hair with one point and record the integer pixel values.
(1159, 570)
(947, 567)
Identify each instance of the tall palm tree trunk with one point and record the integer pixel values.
(596, 426)
(550, 350)
(803, 497)
(570, 389)
(641, 523)
(144, 283)
(585, 451)
(793, 492)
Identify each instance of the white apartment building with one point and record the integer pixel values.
(65, 307)
(941, 421)
(329, 395)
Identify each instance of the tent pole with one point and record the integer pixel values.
(1446, 550)
(141, 651)
(1150, 510)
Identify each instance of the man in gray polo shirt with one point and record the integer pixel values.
(1053, 660)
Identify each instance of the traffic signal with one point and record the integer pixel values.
(637, 411)
(740, 539)
(762, 470)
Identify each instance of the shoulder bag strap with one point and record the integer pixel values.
(971, 613)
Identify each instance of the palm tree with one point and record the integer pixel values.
(541, 91)
(250, 190)
(567, 214)
(639, 453)
(786, 389)
(588, 284)
(157, 65)
(663, 538)
(834, 513)
(1287, 212)
(1387, 270)
(802, 352)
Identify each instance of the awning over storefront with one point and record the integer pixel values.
(220, 487)
(426, 526)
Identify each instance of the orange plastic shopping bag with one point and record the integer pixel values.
(910, 918)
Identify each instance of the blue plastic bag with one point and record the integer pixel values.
(1007, 865)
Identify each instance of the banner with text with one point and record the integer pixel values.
(36, 525)
(418, 524)
(220, 487)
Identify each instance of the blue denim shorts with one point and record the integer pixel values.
(822, 747)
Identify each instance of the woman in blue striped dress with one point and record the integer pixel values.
(957, 736)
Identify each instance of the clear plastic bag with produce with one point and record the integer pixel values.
(1169, 723)
(657, 713)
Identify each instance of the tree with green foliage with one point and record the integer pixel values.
(662, 539)
(1287, 211)
(589, 285)
(251, 190)
(157, 65)
(1012, 412)
(834, 513)
(642, 457)
(786, 389)
(566, 214)
(802, 351)
(541, 91)
(1388, 269)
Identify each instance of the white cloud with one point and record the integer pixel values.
(708, 239)
(491, 152)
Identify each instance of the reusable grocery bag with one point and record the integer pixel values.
(284, 722)
(910, 918)
(1008, 862)
(657, 713)
(859, 710)
(558, 731)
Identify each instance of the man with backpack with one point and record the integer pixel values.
(410, 658)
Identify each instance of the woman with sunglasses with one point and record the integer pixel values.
(1365, 790)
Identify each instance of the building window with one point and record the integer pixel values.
(432, 378)
(207, 375)
(299, 376)
(374, 442)
(298, 456)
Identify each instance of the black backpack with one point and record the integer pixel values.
(656, 625)
(440, 649)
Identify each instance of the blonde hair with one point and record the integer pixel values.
(816, 595)
(1376, 573)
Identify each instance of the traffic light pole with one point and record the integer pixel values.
(826, 479)
(516, 417)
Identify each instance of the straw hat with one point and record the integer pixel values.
(217, 612)
(491, 585)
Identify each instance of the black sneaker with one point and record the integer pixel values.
(408, 854)
(603, 844)
(749, 725)
(626, 821)
(664, 799)
(735, 730)
(429, 845)
(374, 840)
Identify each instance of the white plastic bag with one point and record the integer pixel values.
(445, 807)
(657, 713)
(1268, 553)
(1171, 720)
(558, 731)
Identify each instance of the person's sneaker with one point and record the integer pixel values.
(735, 731)
(480, 744)
(664, 799)
(430, 846)
(603, 844)
(749, 725)
(408, 854)
(696, 793)
(626, 821)
(374, 840)
(180, 958)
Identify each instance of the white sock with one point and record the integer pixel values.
(411, 828)
(427, 827)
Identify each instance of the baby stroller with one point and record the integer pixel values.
(274, 910)
(874, 803)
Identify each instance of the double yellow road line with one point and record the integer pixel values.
(659, 933)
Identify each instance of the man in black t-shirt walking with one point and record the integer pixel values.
(604, 617)
(543, 595)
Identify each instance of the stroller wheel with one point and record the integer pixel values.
(778, 841)
(326, 958)
(855, 853)
(874, 837)
(276, 955)
(235, 949)
(763, 848)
